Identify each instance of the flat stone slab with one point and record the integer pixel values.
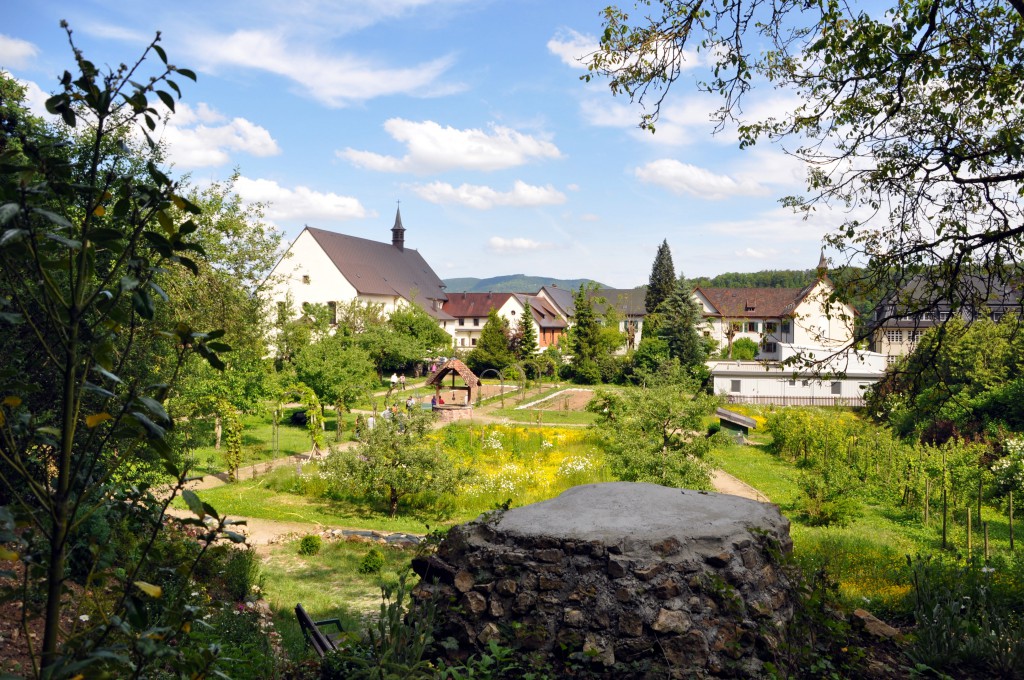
(638, 515)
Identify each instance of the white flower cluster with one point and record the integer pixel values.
(1010, 468)
(493, 441)
(575, 465)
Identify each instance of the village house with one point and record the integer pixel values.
(772, 317)
(902, 319)
(470, 311)
(629, 305)
(329, 268)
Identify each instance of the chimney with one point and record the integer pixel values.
(398, 231)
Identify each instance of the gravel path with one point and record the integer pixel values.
(726, 483)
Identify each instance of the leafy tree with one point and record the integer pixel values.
(682, 321)
(656, 433)
(909, 119)
(743, 349)
(396, 459)
(86, 229)
(960, 380)
(524, 340)
(393, 341)
(492, 349)
(663, 278)
(338, 371)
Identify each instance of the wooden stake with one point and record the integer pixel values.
(1011, 520)
(944, 506)
(969, 515)
(985, 525)
(927, 498)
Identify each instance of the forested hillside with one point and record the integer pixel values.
(511, 283)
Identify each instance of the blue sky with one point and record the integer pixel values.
(470, 112)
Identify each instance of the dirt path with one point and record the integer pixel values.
(260, 532)
(726, 483)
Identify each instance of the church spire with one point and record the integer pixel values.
(398, 231)
(822, 265)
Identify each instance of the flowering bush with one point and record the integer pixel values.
(1009, 470)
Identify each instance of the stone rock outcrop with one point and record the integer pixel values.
(634, 579)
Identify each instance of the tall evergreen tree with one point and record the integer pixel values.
(681, 323)
(584, 338)
(524, 341)
(491, 349)
(663, 278)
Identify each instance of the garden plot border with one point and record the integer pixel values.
(552, 396)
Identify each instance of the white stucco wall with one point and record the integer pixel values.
(305, 258)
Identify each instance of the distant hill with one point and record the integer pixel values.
(512, 283)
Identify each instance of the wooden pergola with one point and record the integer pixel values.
(454, 368)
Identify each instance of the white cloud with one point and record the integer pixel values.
(203, 137)
(498, 244)
(299, 203)
(15, 52)
(112, 32)
(756, 254)
(573, 47)
(432, 148)
(334, 80)
(35, 98)
(485, 198)
(683, 178)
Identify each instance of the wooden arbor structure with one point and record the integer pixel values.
(454, 368)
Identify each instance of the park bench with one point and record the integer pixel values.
(318, 639)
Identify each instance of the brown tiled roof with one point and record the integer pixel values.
(375, 268)
(543, 314)
(753, 302)
(461, 305)
(453, 366)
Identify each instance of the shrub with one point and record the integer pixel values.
(310, 545)
(372, 562)
(242, 573)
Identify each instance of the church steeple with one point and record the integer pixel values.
(398, 231)
(822, 264)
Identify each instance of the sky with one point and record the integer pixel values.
(470, 113)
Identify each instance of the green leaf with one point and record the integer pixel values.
(13, 236)
(143, 304)
(193, 502)
(106, 374)
(154, 407)
(160, 53)
(153, 430)
(235, 537)
(187, 73)
(167, 99)
(70, 243)
(96, 389)
(8, 211)
(53, 217)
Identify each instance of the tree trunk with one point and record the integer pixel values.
(218, 430)
(393, 501)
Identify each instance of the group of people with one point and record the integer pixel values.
(397, 380)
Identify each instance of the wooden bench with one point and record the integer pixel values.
(319, 640)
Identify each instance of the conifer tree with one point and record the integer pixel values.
(526, 335)
(681, 324)
(491, 349)
(663, 278)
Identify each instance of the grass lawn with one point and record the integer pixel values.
(544, 417)
(328, 585)
(251, 499)
(257, 440)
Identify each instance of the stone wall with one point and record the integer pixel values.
(629, 578)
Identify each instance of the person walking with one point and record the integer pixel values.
(401, 380)
(394, 380)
